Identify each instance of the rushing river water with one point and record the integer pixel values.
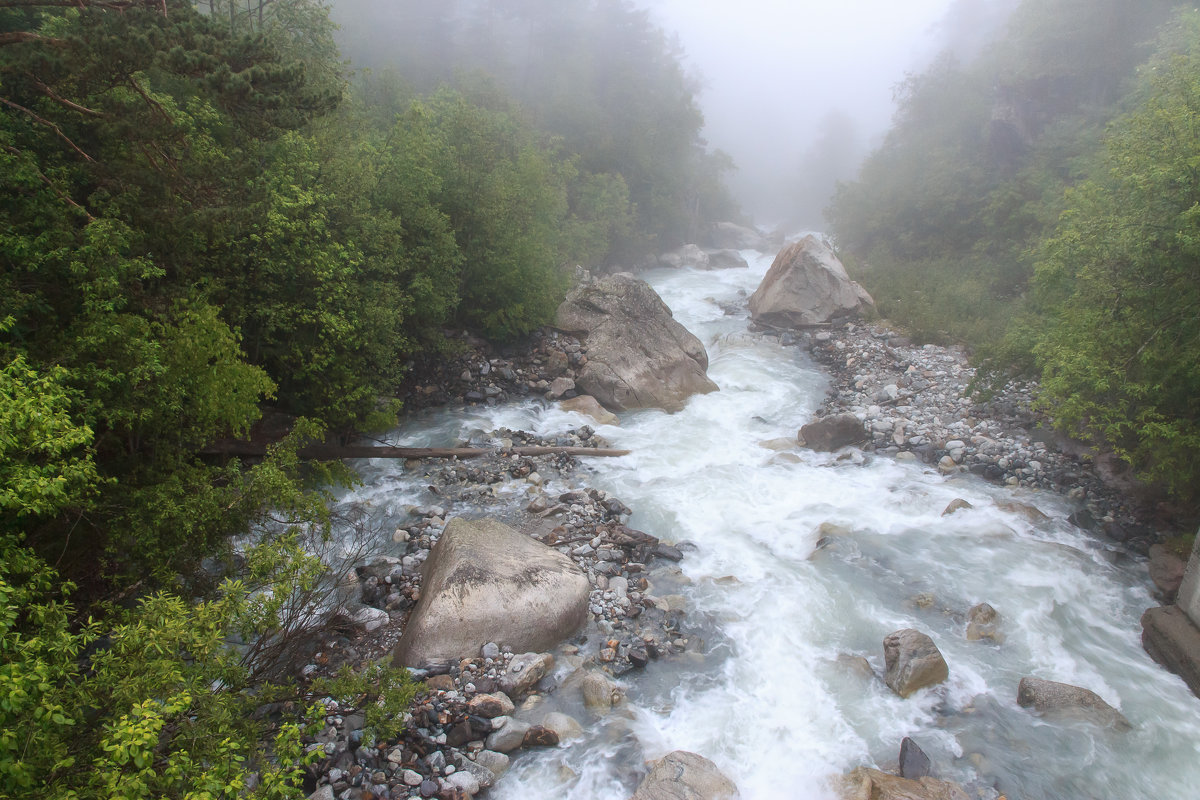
(763, 694)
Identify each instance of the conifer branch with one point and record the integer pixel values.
(49, 183)
(49, 124)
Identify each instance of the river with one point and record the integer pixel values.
(801, 557)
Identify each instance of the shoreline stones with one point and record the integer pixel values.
(915, 403)
(453, 722)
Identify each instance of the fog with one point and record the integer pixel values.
(797, 92)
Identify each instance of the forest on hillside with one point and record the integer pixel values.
(1041, 202)
(206, 212)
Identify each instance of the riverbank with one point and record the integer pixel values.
(917, 403)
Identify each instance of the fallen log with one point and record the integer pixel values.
(331, 452)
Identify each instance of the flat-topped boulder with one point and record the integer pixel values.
(732, 236)
(805, 286)
(638, 355)
(685, 776)
(1063, 700)
(871, 784)
(485, 582)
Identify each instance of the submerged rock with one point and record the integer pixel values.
(587, 405)
(805, 286)
(913, 662)
(638, 355)
(485, 582)
(983, 622)
(1067, 701)
(685, 776)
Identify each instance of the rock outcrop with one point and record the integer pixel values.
(912, 662)
(685, 776)
(485, 582)
(638, 356)
(805, 286)
(833, 432)
(1066, 701)
(1173, 641)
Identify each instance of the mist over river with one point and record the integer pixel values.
(798, 558)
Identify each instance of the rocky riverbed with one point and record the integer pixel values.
(915, 403)
(476, 713)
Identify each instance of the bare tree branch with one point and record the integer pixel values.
(16, 37)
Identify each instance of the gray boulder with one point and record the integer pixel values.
(726, 259)
(732, 236)
(912, 662)
(689, 255)
(485, 582)
(1066, 701)
(509, 736)
(523, 672)
(685, 776)
(638, 355)
(833, 432)
(807, 285)
(1173, 641)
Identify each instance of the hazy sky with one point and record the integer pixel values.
(773, 69)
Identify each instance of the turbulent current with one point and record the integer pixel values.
(801, 557)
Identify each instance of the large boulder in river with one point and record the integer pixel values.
(1063, 700)
(807, 285)
(726, 259)
(685, 776)
(485, 582)
(690, 255)
(912, 661)
(638, 356)
(865, 783)
(833, 432)
(731, 236)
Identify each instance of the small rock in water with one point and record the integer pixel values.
(914, 763)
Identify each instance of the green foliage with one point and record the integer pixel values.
(155, 704)
(385, 692)
(600, 76)
(1121, 281)
(45, 461)
(973, 170)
